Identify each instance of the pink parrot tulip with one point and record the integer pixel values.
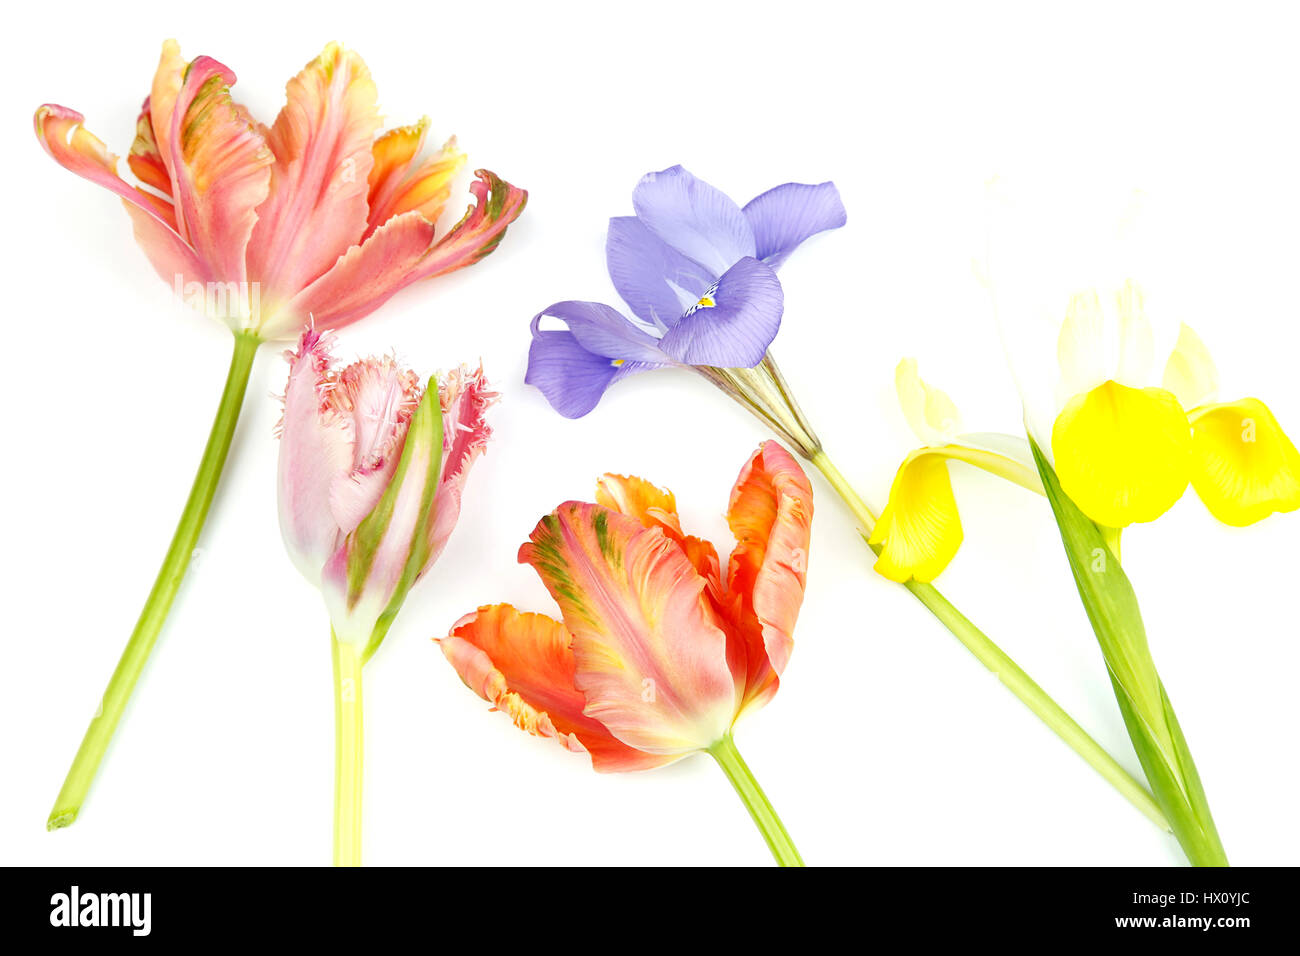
(372, 466)
(316, 218)
(312, 222)
(659, 652)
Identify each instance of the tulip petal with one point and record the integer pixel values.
(770, 514)
(399, 184)
(656, 281)
(145, 159)
(785, 216)
(650, 656)
(465, 397)
(221, 169)
(733, 323)
(77, 150)
(361, 281)
(496, 205)
(522, 665)
(656, 507)
(399, 253)
(1190, 373)
(696, 219)
(1122, 454)
(1244, 467)
(168, 79)
(931, 413)
(322, 143)
(920, 530)
(313, 455)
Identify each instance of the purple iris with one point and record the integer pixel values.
(696, 269)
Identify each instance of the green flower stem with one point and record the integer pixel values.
(992, 657)
(348, 752)
(756, 802)
(84, 766)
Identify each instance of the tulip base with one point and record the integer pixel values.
(348, 752)
(85, 765)
(756, 802)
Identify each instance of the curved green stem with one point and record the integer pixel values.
(992, 657)
(348, 752)
(84, 766)
(756, 802)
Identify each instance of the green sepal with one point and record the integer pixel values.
(1112, 608)
(425, 430)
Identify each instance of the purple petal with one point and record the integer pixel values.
(649, 273)
(571, 378)
(694, 218)
(736, 330)
(604, 331)
(787, 215)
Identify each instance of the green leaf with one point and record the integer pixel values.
(1116, 619)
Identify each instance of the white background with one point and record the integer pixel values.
(888, 743)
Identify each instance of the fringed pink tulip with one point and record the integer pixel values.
(659, 652)
(371, 472)
(314, 221)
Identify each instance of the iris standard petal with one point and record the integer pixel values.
(649, 654)
(733, 323)
(656, 281)
(1244, 467)
(523, 666)
(785, 216)
(694, 218)
(1123, 454)
(929, 411)
(1190, 373)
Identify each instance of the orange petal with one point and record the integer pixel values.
(650, 656)
(398, 183)
(522, 664)
(167, 82)
(220, 169)
(770, 514)
(322, 144)
(656, 507)
(145, 159)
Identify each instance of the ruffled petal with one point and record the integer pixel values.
(656, 507)
(656, 281)
(314, 453)
(77, 150)
(919, 531)
(322, 143)
(361, 281)
(770, 514)
(168, 79)
(496, 205)
(399, 183)
(733, 323)
(650, 657)
(221, 169)
(696, 219)
(785, 216)
(466, 397)
(145, 159)
(522, 665)
(1122, 454)
(1244, 467)
(1190, 373)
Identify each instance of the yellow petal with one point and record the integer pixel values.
(1080, 344)
(1244, 466)
(929, 411)
(1123, 454)
(1190, 372)
(920, 530)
